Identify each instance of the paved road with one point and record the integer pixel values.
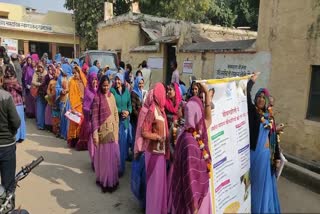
(65, 183)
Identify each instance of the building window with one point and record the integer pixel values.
(314, 96)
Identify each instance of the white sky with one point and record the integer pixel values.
(41, 5)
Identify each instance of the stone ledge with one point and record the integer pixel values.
(302, 176)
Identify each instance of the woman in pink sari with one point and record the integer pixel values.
(155, 129)
(191, 170)
(105, 123)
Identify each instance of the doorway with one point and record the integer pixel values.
(39, 48)
(171, 57)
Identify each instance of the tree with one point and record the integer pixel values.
(246, 11)
(219, 13)
(87, 15)
(187, 10)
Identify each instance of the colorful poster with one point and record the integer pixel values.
(11, 45)
(230, 146)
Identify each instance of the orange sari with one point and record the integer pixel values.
(76, 93)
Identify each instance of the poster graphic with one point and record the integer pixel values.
(230, 146)
(11, 45)
(187, 67)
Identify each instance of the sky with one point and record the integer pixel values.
(41, 5)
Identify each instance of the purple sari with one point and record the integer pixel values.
(189, 178)
(85, 137)
(29, 99)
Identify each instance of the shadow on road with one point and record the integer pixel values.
(77, 190)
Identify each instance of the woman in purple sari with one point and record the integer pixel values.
(85, 136)
(192, 163)
(27, 80)
(105, 124)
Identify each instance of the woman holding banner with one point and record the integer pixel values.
(264, 155)
(189, 189)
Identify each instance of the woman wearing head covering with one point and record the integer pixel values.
(264, 152)
(38, 81)
(77, 84)
(173, 101)
(137, 98)
(85, 137)
(85, 69)
(189, 188)
(47, 79)
(12, 85)
(27, 79)
(124, 106)
(105, 124)
(51, 99)
(155, 130)
(62, 96)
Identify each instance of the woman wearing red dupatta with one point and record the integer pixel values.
(155, 129)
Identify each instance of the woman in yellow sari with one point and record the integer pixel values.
(77, 85)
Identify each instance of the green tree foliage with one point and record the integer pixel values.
(188, 10)
(88, 13)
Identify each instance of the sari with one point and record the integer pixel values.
(105, 122)
(27, 80)
(189, 177)
(154, 125)
(12, 85)
(63, 99)
(264, 149)
(85, 136)
(76, 94)
(38, 81)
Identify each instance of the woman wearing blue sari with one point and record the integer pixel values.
(264, 152)
(123, 101)
(62, 92)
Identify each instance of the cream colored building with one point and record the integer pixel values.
(38, 32)
(137, 37)
(290, 31)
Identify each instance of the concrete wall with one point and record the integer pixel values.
(112, 38)
(38, 37)
(242, 64)
(60, 22)
(16, 12)
(202, 65)
(290, 31)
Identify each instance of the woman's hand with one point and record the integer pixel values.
(95, 138)
(204, 88)
(255, 76)
(277, 164)
(125, 114)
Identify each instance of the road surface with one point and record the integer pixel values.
(65, 183)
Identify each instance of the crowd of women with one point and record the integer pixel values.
(164, 128)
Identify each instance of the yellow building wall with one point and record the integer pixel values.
(203, 65)
(60, 22)
(290, 30)
(39, 37)
(113, 38)
(16, 12)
